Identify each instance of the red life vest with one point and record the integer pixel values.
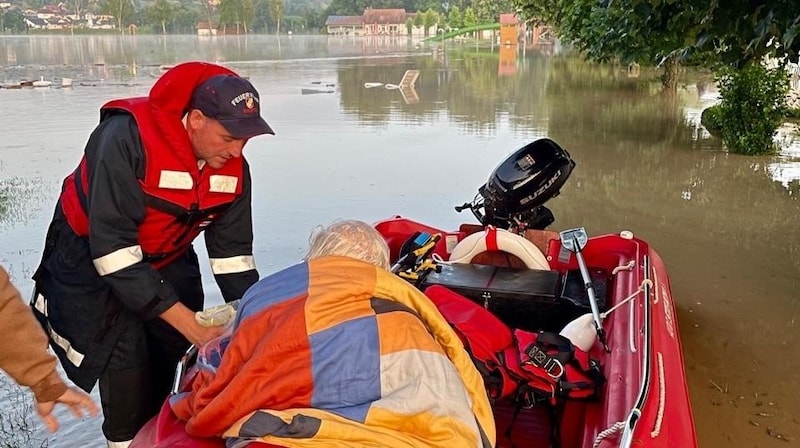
(180, 199)
(526, 366)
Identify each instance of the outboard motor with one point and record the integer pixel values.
(514, 195)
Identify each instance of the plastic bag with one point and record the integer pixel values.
(217, 316)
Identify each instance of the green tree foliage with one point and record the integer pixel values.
(429, 19)
(470, 19)
(741, 31)
(11, 21)
(488, 11)
(78, 7)
(186, 18)
(753, 106)
(648, 32)
(276, 10)
(229, 14)
(247, 13)
(419, 19)
(455, 18)
(161, 12)
(122, 10)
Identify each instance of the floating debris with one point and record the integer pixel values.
(774, 434)
(716, 386)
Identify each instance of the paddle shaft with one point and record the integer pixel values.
(598, 322)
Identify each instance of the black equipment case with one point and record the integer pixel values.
(530, 300)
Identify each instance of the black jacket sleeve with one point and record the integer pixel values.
(115, 162)
(229, 241)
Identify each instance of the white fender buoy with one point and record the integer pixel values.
(581, 332)
(502, 240)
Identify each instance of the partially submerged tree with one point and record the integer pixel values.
(122, 10)
(276, 9)
(642, 31)
(161, 11)
(735, 34)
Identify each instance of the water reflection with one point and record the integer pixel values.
(723, 223)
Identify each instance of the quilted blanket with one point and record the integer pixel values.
(336, 352)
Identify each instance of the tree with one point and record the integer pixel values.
(455, 19)
(735, 34)
(641, 31)
(469, 17)
(488, 11)
(429, 19)
(247, 13)
(161, 11)
(229, 13)
(122, 10)
(739, 33)
(208, 8)
(78, 6)
(419, 20)
(276, 8)
(186, 18)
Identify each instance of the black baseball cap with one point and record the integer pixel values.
(234, 102)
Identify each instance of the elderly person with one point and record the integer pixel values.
(337, 351)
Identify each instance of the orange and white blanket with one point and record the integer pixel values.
(336, 352)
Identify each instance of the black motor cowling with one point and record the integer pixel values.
(517, 189)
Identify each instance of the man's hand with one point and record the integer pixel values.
(78, 402)
(182, 319)
(199, 335)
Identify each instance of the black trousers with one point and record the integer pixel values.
(140, 371)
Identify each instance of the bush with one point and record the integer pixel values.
(711, 119)
(752, 107)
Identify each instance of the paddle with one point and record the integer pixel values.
(574, 240)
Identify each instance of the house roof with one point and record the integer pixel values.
(36, 21)
(344, 21)
(508, 19)
(384, 16)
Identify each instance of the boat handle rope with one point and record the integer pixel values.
(640, 289)
(624, 267)
(613, 429)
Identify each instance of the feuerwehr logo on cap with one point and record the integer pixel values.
(249, 99)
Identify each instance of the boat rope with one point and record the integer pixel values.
(631, 329)
(661, 397)
(613, 429)
(624, 267)
(646, 282)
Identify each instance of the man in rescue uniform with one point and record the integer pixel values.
(119, 280)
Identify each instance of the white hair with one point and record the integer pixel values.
(349, 238)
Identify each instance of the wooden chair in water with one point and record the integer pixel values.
(406, 86)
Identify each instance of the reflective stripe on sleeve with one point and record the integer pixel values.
(232, 265)
(118, 260)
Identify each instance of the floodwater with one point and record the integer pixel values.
(726, 225)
